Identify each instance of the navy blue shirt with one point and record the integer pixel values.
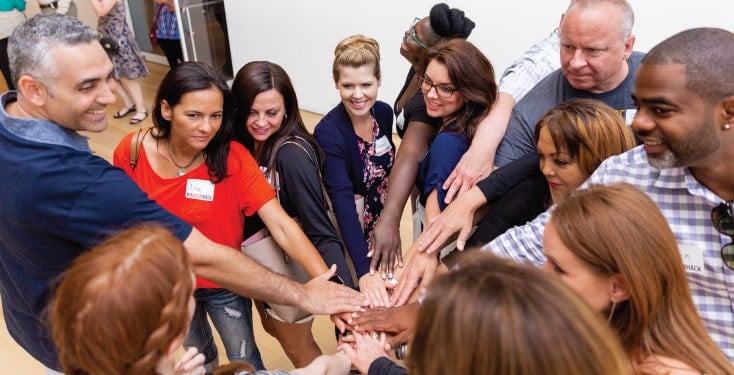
(436, 166)
(59, 201)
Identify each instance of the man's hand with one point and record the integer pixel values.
(418, 272)
(399, 321)
(385, 247)
(456, 217)
(366, 350)
(326, 298)
(472, 167)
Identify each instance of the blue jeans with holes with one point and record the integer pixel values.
(232, 317)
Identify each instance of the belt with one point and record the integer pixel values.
(51, 5)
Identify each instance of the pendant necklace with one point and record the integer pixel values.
(181, 168)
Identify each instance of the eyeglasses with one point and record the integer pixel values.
(413, 34)
(721, 216)
(442, 91)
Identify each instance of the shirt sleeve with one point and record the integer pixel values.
(523, 243)
(530, 68)
(341, 190)
(384, 366)
(253, 189)
(443, 155)
(502, 180)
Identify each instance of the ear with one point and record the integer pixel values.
(32, 90)
(728, 105)
(629, 45)
(618, 290)
(560, 22)
(166, 110)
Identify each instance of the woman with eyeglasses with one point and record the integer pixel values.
(458, 87)
(414, 125)
(632, 273)
(356, 137)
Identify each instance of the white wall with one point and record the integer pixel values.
(301, 35)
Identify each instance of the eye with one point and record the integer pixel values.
(217, 116)
(557, 270)
(561, 162)
(446, 90)
(192, 115)
(660, 111)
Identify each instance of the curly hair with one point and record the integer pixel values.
(131, 292)
(450, 22)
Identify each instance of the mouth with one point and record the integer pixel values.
(553, 184)
(97, 112)
(654, 146)
(433, 106)
(359, 104)
(259, 131)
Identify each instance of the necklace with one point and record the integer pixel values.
(181, 168)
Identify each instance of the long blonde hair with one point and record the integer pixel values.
(121, 305)
(659, 318)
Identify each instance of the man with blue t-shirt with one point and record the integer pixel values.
(60, 200)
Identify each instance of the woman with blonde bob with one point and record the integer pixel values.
(495, 316)
(125, 307)
(632, 272)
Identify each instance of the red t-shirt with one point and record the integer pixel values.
(216, 210)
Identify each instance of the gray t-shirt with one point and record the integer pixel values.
(553, 90)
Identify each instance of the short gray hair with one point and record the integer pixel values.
(31, 41)
(628, 15)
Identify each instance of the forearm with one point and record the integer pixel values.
(240, 274)
(492, 128)
(415, 144)
(102, 7)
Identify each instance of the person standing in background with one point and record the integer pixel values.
(11, 15)
(67, 7)
(129, 65)
(166, 31)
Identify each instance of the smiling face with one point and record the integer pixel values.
(195, 120)
(436, 86)
(82, 88)
(593, 51)
(358, 89)
(674, 123)
(563, 173)
(592, 287)
(266, 115)
(421, 30)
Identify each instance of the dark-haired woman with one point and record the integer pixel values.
(189, 164)
(269, 124)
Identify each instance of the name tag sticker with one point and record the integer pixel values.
(202, 190)
(692, 258)
(382, 145)
(629, 115)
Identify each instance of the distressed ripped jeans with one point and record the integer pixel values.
(232, 317)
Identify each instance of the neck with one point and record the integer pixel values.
(181, 161)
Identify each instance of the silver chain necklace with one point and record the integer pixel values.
(181, 168)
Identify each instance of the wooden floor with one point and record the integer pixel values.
(13, 360)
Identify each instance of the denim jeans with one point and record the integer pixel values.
(232, 317)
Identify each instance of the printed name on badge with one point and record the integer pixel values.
(382, 145)
(692, 258)
(202, 190)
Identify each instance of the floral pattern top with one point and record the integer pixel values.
(376, 170)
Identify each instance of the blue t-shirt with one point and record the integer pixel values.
(440, 160)
(59, 201)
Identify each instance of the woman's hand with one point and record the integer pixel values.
(384, 248)
(191, 363)
(366, 350)
(373, 286)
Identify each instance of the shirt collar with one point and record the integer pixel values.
(39, 130)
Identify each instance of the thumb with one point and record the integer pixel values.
(328, 274)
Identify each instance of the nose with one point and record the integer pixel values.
(578, 59)
(546, 168)
(432, 92)
(357, 92)
(107, 96)
(642, 123)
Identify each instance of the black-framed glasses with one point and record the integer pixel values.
(722, 218)
(413, 34)
(442, 90)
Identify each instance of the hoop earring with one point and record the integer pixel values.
(611, 313)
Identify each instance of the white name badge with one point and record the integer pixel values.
(692, 258)
(629, 115)
(202, 190)
(382, 145)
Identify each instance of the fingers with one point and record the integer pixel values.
(450, 181)
(339, 321)
(405, 288)
(400, 338)
(455, 187)
(464, 235)
(376, 256)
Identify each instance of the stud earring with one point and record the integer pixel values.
(726, 126)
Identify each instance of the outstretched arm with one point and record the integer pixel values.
(244, 276)
(478, 162)
(385, 237)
